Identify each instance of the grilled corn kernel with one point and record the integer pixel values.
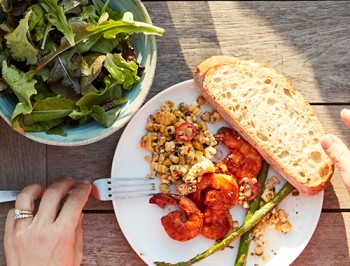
(160, 168)
(164, 188)
(194, 110)
(286, 227)
(175, 159)
(170, 130)
(214, 117)
(202, 126)
(209, 152)
(169, 146)
(201, 100)
(206, 116)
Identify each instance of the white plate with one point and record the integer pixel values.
(140, 221)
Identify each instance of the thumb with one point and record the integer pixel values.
(340, 155)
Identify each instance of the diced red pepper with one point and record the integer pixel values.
(181, 134)
(253, 187)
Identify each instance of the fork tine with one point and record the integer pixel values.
(142, 179)
(133, 196)
(123, 188)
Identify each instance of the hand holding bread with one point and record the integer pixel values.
(264, 107)
(338, 151)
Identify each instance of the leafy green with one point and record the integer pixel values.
(55, 15)
(21, 48)
(67, 62)
(123, 72)
(93, 66)
(108, 29)
(49, 109)
(65, 75)
(23, 85)
(105, 118)
(98, 98)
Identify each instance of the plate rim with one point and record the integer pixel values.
(190, 83)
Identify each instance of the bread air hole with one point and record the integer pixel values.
(233, 86)
(284, 154)
(287, 92)
(262, 136)
(316, 156)
(323, 171)
(217, 79)
(302, 174)
(268, 81)
(271, 101)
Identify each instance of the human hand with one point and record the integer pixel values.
(47, 238)
(338, 152)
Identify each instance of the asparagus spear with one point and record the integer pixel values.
(245, 240)
(253, 220)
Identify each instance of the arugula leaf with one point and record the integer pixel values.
(55, 15)
(102, 8)
(23, 85)
(123, 72)
(108, 29)
(21, 48)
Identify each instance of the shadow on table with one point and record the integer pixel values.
(172, 66)
(320, 32)
(326, 55)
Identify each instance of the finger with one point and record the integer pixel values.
(9, 247)
(51, 200)
(73, 206)
(78, 245)
(26, 202)
(345, 116)
(340, 155)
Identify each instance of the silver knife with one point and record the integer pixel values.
(8, 195)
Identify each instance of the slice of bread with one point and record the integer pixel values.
(267, 110)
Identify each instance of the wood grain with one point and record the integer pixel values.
(308, 41)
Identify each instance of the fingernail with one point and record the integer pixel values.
(327, 142)
(345, 112)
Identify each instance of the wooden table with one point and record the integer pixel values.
(309, 42)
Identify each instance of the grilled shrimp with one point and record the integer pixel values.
(217, 223)
(218, 191)
(173, 223)
(243, 160)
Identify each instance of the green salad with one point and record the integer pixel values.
(67, 62)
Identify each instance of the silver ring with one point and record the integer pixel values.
(19, 214)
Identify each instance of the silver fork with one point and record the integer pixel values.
(123, 188)
(8, 195)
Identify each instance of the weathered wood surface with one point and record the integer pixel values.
(309, 42)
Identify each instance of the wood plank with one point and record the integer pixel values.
(306, 41)
(105, 244)
(22, 161)
(328, 246)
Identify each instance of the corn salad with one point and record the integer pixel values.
(178, 139)
(277, 218)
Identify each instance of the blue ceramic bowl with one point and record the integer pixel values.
(91, 132)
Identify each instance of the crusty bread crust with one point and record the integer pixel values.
(267, 110)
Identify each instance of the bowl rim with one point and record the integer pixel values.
(137, 103)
